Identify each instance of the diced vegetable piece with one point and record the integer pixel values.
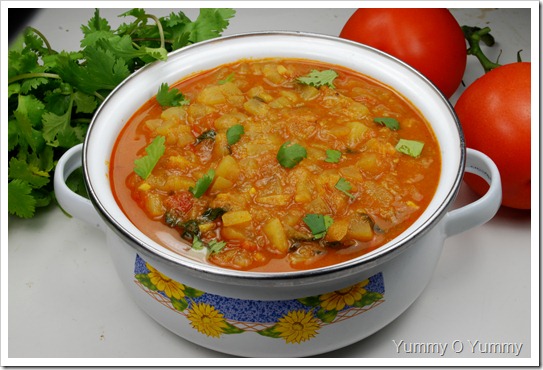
(410, 147)
(197, 110)
(358, 110)
(271, 73)
(153, 205)
(360, 228)
(153, 124)
(281, 102)
(228, 168)
(276, 234)
(228, 120)
(337, 231)
(369, 162)
(184, 136)
(259, 93)
(211, 95)
(275, 200)
(232, 93)
(256, 107)
(236, 217)
(208, 226)
(175, 114)
(177, 182)
(220, 183)
(358, 130)
(232, 233)
(309, 92)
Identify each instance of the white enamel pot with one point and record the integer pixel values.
(277, 314)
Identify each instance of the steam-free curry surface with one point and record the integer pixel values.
(276, 165)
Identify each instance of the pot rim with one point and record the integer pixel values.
(216, 273)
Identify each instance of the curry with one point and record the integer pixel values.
(275, 165)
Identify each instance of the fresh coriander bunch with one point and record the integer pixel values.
(52, 95)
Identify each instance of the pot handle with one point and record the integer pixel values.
(73, 203)
(483, 209)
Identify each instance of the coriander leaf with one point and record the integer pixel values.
(332, 156)
(318, 224)
(319, 78)
(209, 24)
(170, 98)
(84, 103)
(228, 78)
(97, 28)
(144, 165)
(412, 148)
(289, 155)
(102, 70)
(20, 200)
(32, 175)
(197, 243)
(233, 134)
(202, 184)
(344, 186)
(57, 130)
(389, 122)
(215, 246)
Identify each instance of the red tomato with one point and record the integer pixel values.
(494, 112)
(429, 40)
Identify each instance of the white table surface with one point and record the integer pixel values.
(65, 302)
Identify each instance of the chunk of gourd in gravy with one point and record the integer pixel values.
(356, 135)
(236, 217)
(228, 168)
(256, 107)
(338, 230)
(211, 95)
(175, 114)
(276, 234)
(360, 228)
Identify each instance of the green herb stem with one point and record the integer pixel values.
(474, 36)
(45, 41)
(25, 76)
(159, 26)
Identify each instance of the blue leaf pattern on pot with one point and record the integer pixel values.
(293, 320)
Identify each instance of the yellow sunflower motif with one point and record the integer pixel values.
(297, 326)
(344, 297)
(206, 319)
(171, 287)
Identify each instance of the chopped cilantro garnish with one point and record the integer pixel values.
(215, 246)
(290, 154)
(319, 78)
(318, 224)
(389, 122)
(202, 184)
(197, 243)
(167, 97)
(410, 147)
(344, 186)
(233, 134)
(332, 156)
(144, 166)
(228, 78)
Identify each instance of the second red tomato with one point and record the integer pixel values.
(429, 40)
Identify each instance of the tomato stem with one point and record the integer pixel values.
(474, 36)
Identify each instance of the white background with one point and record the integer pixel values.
(65, 300)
